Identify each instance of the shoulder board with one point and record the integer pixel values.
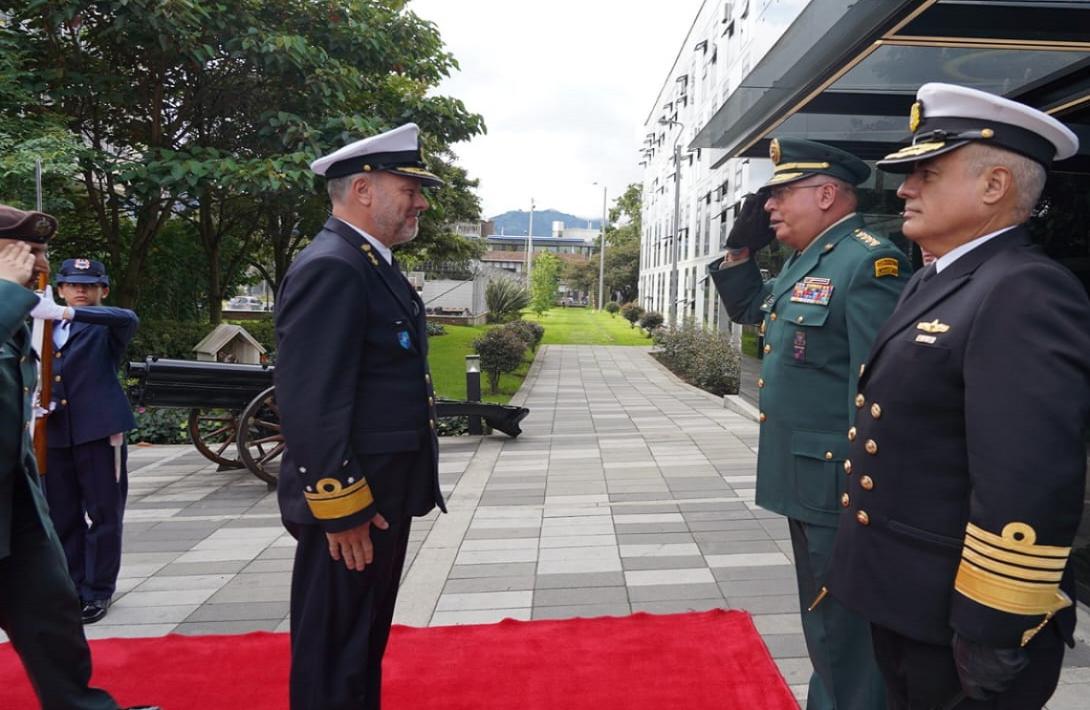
(867, 239)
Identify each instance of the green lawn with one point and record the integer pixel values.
(447, 358)
(563, 326)
(585, 326)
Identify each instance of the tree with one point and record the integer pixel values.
(501, 351)
(212, 111)
(544, 282)
(622, 272)
(631, 312)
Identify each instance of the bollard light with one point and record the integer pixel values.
(473, 363)
(473, 389)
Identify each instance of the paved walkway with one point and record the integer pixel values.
(628, 491)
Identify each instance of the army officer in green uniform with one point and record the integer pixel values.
(818, 318)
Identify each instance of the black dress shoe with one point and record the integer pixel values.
(95, 610)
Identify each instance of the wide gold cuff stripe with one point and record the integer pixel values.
(1029, 575)
(1008, 595)
(1026, 546)
(1014, 558)
(332, 500)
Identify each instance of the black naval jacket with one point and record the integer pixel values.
(353, 388)
(967, 462)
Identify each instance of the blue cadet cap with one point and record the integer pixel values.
(83, 271)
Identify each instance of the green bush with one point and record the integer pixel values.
(527, 331)
(612, 307)
(501, 351)
(650, 320)
(631, 312)
(160, 426)
(435, 329)
(703, 358)
(506, 299)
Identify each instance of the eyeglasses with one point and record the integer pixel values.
(780, 192)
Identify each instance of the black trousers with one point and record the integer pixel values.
(922, 676)
(340, 620)
(40, 612)
(83, 480)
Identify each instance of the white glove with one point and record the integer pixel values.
(47, 308)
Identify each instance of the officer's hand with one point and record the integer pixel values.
(16, 263)
(752, 226)
(354, 545)
(47, 308)
(985, 670)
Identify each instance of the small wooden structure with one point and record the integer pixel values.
(231, 344)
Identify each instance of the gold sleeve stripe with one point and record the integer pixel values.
(332, 500)
(1028, 575)
(1008, 595)
(1014, 558)
(1010, 540)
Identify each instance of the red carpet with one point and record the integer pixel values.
(693, 661)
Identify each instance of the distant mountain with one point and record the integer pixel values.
(516, 223)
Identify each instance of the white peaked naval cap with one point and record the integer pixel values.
(946, 117)
(396, 151)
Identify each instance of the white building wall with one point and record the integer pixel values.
(724, 42)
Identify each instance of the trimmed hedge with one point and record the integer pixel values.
(703, 358)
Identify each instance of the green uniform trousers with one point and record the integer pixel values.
(846, 676)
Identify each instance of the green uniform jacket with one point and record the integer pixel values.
(819, 317)
(18, 378)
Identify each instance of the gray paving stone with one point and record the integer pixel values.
(178, 569)
(580, 595)
(685, 562)
(568, 581)
(489, 584)
(498, 570)
(239, 611)
(673, 592)
(756, 587)
(786, 645)
(501, 533)
(777, 572)
(586, 611)
(727, 548)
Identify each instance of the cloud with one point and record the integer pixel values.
(564, 88)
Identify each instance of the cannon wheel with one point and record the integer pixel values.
(213, 432)
(260, 442)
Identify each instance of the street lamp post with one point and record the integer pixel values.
(530, 241)
(602, 253)
(673, 293)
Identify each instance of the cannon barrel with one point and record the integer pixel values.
(188, 384)
(502, 417)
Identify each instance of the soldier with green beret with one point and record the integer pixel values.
(818, 317)
(39, 607)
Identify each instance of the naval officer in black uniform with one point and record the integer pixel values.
(358, 416)
(967, 464)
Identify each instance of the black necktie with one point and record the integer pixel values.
(926, 275)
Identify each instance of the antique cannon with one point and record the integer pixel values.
(233, 417)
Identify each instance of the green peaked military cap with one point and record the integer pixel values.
(796, 158)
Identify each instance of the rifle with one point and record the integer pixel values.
(43, 342)
(45, 380)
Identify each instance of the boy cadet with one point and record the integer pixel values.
(87, 476)
(358, 416)
(818, 317)
(39, 607)
(967, 463)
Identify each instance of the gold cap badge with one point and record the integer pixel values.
(774, 151)
(915, 116)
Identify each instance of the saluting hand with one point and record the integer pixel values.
(354, 545)
(16, 263)
(752, 227)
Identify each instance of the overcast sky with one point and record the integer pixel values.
(564, 87)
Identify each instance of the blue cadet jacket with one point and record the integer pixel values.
(819, 317)
(353, 388)
(18, 378)
(967, 463)
(90, 402)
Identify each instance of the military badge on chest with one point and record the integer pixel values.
(814, 290)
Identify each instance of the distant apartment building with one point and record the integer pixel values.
(712, 62)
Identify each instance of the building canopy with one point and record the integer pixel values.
(846, 72)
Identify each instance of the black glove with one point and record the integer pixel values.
(751, 227)
(985, 670)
